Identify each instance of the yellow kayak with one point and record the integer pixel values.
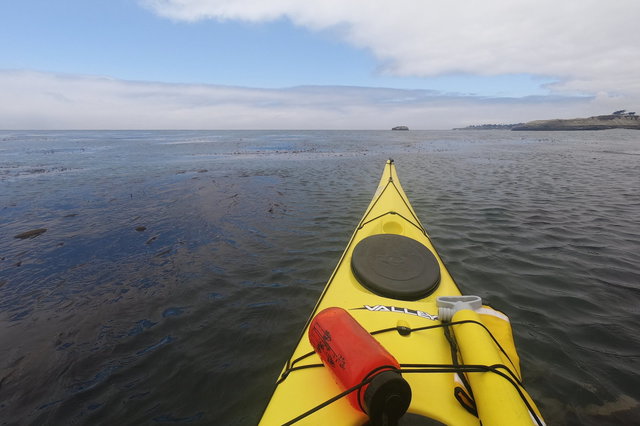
(393, 341)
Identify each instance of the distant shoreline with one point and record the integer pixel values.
(600, 122)
(617, 120)
(490, 127)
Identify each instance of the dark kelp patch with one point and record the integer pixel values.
(31, 234)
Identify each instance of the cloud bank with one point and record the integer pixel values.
(37, 100)
(586, 46)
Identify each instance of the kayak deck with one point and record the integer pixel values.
(407, 327)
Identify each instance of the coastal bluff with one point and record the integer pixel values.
(617, 120)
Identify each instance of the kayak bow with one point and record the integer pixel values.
(391, 333)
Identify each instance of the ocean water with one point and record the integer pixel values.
(178, 268)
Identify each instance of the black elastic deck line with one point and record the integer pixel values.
(420, 228)
(374, 203)
(432, 368)
(424, 231)
(292, 363)
(453, 346)
(368, 379)
(415, 222)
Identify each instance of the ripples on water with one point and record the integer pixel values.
(178, 268)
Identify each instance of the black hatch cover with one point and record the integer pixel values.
(395, 266)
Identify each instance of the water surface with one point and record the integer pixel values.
(178, 268)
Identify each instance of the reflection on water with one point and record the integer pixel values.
(178, 268)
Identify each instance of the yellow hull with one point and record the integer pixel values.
(304, 385)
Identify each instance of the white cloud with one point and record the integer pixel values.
(36, 100)
(589, 46)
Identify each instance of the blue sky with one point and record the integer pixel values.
(479, 64)
(121, 39)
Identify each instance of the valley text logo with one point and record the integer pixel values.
(382, 308)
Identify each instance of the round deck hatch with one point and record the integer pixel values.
(395, 266)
